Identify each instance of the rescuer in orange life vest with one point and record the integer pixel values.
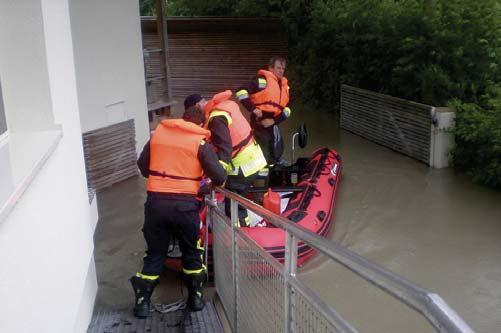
(173, 161)
(236, 148)
(267, 97)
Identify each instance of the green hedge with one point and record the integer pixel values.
(402, 48)
(478, 138)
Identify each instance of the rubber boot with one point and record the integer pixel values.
(143, 288)
(194, 284)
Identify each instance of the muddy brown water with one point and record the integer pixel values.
(433, 227)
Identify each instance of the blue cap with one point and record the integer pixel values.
(191, 100)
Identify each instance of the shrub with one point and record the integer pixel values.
(478, 139)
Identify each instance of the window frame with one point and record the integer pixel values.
(4, 130)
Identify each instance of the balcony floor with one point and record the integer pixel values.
(118, 253)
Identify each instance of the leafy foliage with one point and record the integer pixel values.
(478, 138)
(405, 49)
(147, 7)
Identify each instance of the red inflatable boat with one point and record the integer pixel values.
(307, 191)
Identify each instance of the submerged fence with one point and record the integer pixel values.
(259, 294)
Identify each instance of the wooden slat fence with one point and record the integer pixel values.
(110, 154)
(401, 125)
(210, 54)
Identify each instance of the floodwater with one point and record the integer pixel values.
(434, 228)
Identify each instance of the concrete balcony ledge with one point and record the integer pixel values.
(22, 156)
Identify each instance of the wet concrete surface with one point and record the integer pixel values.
(119, 249)
(205, 321)
(119, 246)
(433, 227)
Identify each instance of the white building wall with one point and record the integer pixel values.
(46, 248)
(67, 66)
(109, 63)
(80, 71)
(23, 63)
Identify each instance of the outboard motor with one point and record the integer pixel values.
(301, 134)
(289, 175)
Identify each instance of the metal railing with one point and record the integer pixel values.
(259, 294)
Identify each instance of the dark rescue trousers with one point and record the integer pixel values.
(167, 215)
(271, 142)
(240, 185)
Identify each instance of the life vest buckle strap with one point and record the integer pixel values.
(278, 106)
(164, 175)
(242, 144)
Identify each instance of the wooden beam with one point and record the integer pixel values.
(162, 34)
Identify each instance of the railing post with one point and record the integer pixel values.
(293, 148)
(290, 267)
(208, 222)
(234, 260)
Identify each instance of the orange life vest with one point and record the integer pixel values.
(174, 165)
(275, 97)
(240, 130)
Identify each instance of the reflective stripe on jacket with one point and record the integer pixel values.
(174, 165)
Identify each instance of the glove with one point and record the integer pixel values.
(205, 187)
(287, 111)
